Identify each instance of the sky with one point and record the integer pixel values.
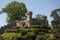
(43, 7)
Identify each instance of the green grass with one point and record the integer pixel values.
(10, 36)
(27, 31)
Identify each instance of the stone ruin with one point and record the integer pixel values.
(28, 21)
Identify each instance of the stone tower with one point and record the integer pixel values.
(29, 18)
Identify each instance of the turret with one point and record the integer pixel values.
(29, 18)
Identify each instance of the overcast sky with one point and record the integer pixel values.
(43, 7)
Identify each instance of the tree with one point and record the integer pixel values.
(42, 18)
(56, 15)
(39, 16)
(56, 22)
(15, 11)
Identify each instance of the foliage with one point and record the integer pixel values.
(15, 11)
(23, 33)
(56, 29)
(25, 27)
(30, 33)
(10, 36)
(42, 19)
(27, 35)
(56, 15)
(1, 38)
(31, 37)
(51, 37)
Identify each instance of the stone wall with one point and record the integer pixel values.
(40, 22)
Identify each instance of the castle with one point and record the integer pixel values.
(27, 21)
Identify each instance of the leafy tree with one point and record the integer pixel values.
(15, 11)
(56, 15)
(39, 16)
(56, 21)
(42, 18)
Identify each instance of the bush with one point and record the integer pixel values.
(1, 38)
(51, 37)
(36, 26)
(23, 33)
(30, 33)
(31, 37)
(10, 36)
(35, 32)
(26, 27)
(19, 38)
(41, 33)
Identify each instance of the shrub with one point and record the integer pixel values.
(19, 38)
(26, 27)
(23, 33)
(10, 36)
(51, 37)
(1, 38)
(30, 33)
(41, 33)
(35, 26)
(35, 32)
(31, 37)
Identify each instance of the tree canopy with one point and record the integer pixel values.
(56, 15)
(41, 17)
(15, 11)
